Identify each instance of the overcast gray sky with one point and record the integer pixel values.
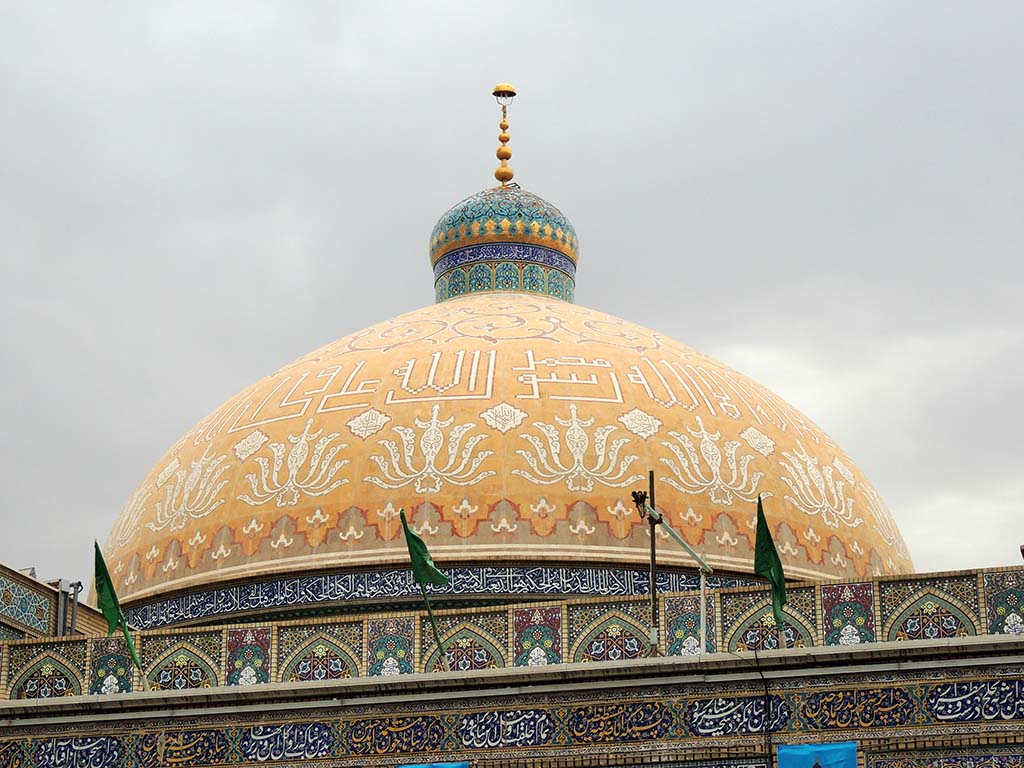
(826, 195)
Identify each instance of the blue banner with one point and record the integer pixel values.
(443, 765)
(841, 754)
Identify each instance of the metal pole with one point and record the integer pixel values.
(655, 619)
(442, 657)
(77, 586)
(703, 612)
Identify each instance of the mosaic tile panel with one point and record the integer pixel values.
(477, 641)
(389, 646)
(1004, 599)
(153, 647)
(848, 613)
(602, 632)
(291, 638)
(9, 633)
(801, 602)
(322, 658)
(46, 678)
(248, 655)
(682, 625)
(537, 636)
(737, 605)
(748, 622)
(71, 654)
(930, 616)
(582, 617)
(26, 606)
(183, 669)
(111, 666)
(182, 661)
(895, 595)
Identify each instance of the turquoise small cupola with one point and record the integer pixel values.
(504, 238)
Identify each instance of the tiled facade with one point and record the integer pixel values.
(25, 607)
(579, 629)
(622, 715)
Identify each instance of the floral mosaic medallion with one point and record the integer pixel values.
(248, 656)
(112, 666)
(249, 666)
(389, 648)
(391, 655)
(849, 613)
(112, 673)
(538, 636)
(682, 623)
(1005, 594)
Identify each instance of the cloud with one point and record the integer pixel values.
(825, 196)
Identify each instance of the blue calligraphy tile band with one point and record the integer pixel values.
(305, 591)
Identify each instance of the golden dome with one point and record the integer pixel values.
(511, 427)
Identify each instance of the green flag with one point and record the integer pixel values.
(106, 601)
(423, 568)
(768, 565)
(425, 572)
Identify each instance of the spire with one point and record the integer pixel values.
(503, 94)
(503, 238)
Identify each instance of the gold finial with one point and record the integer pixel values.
(503, 94)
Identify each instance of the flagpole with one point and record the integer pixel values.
(703, 612)
(433, 626)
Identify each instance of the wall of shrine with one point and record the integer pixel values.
(938, 705)
(892, 609)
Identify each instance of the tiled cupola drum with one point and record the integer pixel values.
(504, 239)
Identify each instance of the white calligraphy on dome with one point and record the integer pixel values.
(464, 375)
(572, 378)
(640, 423)
(368, 423)
(503, 417)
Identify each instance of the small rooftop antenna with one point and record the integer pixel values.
(504, 93)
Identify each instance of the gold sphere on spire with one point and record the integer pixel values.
(504, 93)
